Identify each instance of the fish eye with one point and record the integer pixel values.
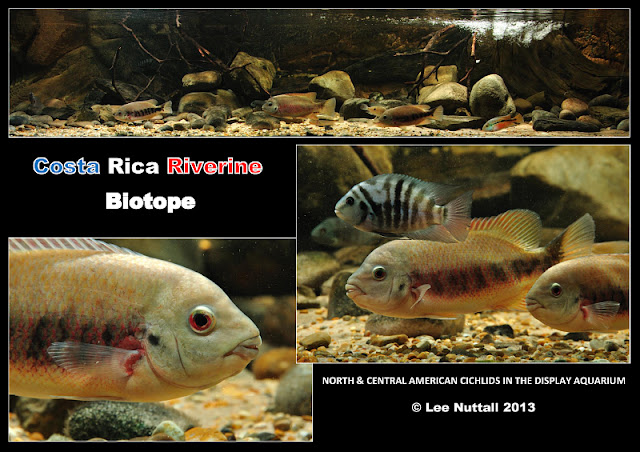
(556, 290)
(202, 320)
(379, 273)
(350, 201)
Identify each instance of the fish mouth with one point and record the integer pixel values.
(532, 304)
(247, 349)
(353, 291)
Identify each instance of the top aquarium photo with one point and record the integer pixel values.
(319, 72)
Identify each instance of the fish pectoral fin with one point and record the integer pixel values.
(603, 310)
(520, 305)
(79, 357)
(419, 292)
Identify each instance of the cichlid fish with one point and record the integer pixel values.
(397, 205)
(300, 105)
(492, 269)
(409, 115)
(586, 294)
(336, 233)
(502, 122)
(375, 110)
(142, 110)
(89, 320)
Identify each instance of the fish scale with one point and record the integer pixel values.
(90, 320)
(491, 270)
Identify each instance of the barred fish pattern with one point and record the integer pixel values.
(396, 204)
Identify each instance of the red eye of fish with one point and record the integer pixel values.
(202, 320)
(556, 289)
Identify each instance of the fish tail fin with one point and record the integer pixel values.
(518, 118)
(438, 113)
(457, 217)
(167, 108)
(575, 241)
(328, 108)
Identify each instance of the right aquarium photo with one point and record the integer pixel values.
(463, 253)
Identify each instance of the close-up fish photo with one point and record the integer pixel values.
(94, 324)
(463, 254)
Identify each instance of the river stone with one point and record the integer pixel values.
(576, 106)
(251, 77)
(314, 267)
(444, 74)
(202, 81)
(389, 326)
(566, 125)
(450, 95)
(122, 420)
(339, 303)
(315, 340)
(293, 395)
(608, 116)
(336, 84)
(606, 100)
(563, 183)
(490, 97)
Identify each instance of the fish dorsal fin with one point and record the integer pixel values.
(19, 244)
(521, 227)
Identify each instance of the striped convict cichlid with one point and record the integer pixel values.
(502, 122)
(586, 294)
(492, 269)
(89, 320)
(142, 110)
(399, 205)
(409, 115)
(300, 105)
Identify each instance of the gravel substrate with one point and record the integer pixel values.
(532, 341)
(236, 409)
(337, 128)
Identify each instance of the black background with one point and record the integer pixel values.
(371, 416)
(262, 205)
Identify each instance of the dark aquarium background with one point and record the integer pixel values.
(77, 55)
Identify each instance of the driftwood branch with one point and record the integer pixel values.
(113, 74)
(426, 51)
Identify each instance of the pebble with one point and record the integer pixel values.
(486, 337)
(274, 363)
(59, 128)
(170, 429)
(315, 340)
(204, 434)
(384, 340)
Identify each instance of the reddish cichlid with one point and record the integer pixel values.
(90, 320)
(502, 122)
(142, 110)
(409, 115)
(492, 269)
(586, 294)
(300, 105)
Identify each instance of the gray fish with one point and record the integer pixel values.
(397, 205)
(335, 233)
